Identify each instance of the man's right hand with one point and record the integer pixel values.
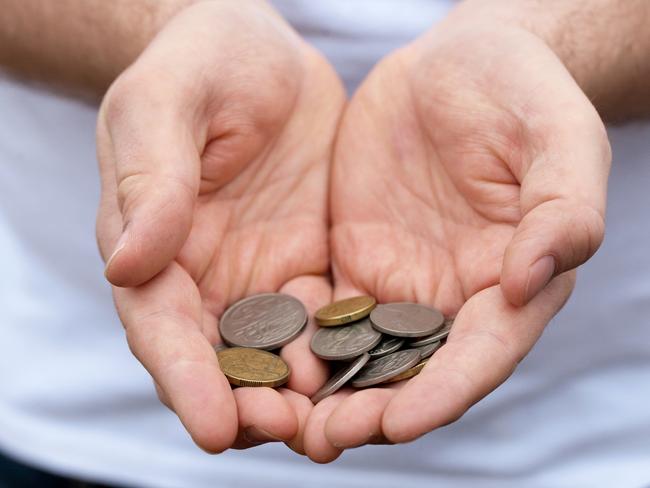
(214, 149)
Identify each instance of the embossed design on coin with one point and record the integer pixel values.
(345, 342)
(428, 349)
(437, 336)
(265, 321)
(340, 378)
(406, 319)
(344, 311)
(386, 346)
(409, 373)
(251, 367)
(382, 369)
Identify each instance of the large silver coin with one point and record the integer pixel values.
(340, 378)
(406, 319)
(436, 337)
(428, 349)
(265, 321)
(345, 342)
(382, 369)
(387, 345)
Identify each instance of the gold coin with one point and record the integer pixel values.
(252, 367)
(409, 373)
(345, 311)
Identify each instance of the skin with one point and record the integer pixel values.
(79, 46)
(214, 187)
(215, 183)
(453, 179)
(603, 44)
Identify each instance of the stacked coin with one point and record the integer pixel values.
(381, 343)
(252, 327)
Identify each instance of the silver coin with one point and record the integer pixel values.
(428, 349)
(406, 319)
(437, 336)
(340, 378)
(345, 341)
(220, 347)
(385, 368)
(387, 345)
(265, 321)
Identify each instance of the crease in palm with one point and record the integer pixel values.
(426, 209)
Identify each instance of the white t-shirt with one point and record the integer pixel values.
(74, 400)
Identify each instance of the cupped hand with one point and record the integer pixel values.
(469, 173)
(214, 150)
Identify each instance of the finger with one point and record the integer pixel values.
(302, 406)
(162, 322)
(344, 288)
(308, 372)
(210, 327)
(357, 419)
(264, 415)
(489, 338)
(563, 197)
(316, 445)
(146, 128)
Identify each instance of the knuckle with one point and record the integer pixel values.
(162, 396)
(103, 237)
(588, 126)
(604, 145)
(590, 231)
(120, 97)
(135, 91)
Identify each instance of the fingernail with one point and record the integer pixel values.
(121, 243)
(539, 274)
(255, 435)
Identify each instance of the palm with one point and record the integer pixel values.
(422, 203)
(262, 224)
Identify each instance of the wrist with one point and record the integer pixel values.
(551, 21)
(137, 28)
(602, 43)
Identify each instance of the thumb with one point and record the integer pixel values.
(156, 171)
(563, 197)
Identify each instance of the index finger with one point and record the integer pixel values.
(490, 337)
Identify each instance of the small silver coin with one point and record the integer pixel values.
(220, 347)
(265, 321)
(340, 378)
(437, 336)
(345, 341)
(406, 319)
(428, 349)
(382, 369)
(387, 345)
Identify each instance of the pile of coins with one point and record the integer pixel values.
(385, 343)
(378, 343)
(253, 326)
